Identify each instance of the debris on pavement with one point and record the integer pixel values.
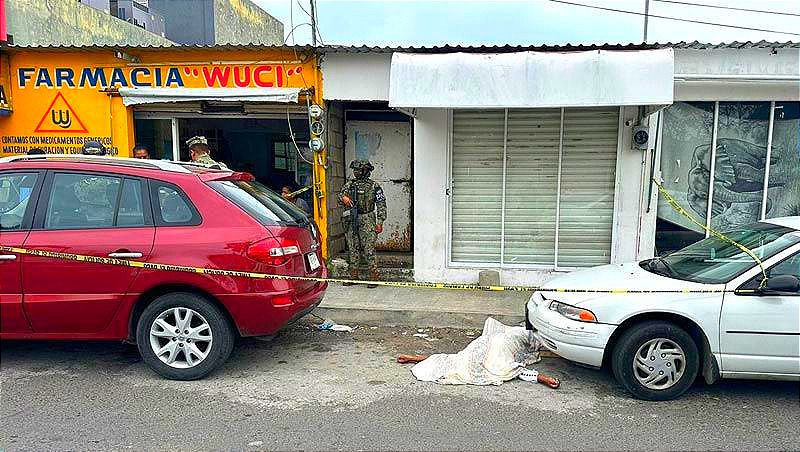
(330, 325)
(499, 354)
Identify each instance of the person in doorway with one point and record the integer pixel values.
(286, 192)
(363, 218)
(93, 147)
(36, 151)
(140, 151)
(201, 153)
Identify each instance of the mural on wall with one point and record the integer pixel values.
(740, 163)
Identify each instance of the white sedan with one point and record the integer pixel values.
(729, 324)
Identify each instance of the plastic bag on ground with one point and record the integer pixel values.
(330, 325)
(499, 354)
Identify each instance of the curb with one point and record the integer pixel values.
(420, 319)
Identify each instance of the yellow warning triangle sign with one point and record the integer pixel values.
(60, 117)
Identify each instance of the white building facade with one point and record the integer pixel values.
(523, 159)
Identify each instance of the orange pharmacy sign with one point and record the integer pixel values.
(64, 98)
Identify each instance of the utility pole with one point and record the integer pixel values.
(646, 13)
(314, 24)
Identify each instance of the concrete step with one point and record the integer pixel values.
(339, 268)
(389, 259)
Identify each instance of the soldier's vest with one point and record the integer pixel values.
(363, 193)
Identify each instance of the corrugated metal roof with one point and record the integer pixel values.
(565, 47)
(434, 49)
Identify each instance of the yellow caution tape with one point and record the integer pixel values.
(302, 190)
(241, 274)
(679, 208)
(419, 285)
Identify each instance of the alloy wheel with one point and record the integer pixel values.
(180, 337)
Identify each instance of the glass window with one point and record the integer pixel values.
(130, 211)
(173, 207)
(284, 154)
(783, 194)
(686, 172)
(790, 267)
(15, 193)
(714, 261)
(266, 206)
(741, 157)
(740, 167)
(82, 201)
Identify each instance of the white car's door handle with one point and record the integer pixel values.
(8, 257)
(125, 255)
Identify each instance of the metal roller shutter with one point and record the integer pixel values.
(531, 181)
(533, 186)
(477, 184)
(588, 174)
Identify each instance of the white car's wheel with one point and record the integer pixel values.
(655, 360)
(182, 336)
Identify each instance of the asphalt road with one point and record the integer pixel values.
(322, 390)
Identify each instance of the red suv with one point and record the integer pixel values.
(185, 324)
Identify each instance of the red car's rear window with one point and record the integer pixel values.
(263, 204)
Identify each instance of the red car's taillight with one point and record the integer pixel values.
(273, 251)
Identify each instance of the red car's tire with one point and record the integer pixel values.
(183, 336)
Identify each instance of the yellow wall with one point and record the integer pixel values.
(60, 98)
(56, 106)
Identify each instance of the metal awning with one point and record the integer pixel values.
(532, 79)
(138, 96)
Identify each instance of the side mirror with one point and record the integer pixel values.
(782, 284)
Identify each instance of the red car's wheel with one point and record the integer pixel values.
(182, 336)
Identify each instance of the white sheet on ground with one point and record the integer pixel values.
(499, 354)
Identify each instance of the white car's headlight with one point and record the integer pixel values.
(572, 312)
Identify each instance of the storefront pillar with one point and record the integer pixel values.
(122, 130)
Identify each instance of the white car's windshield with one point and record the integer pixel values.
(715, 261)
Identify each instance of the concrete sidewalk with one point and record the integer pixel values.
(389, 306)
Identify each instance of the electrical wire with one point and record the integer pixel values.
(295, 28)
(291, 135)
(674, 18)
(314, 22)
(291, 23)
(733, 8)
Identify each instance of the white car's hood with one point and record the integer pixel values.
(628, 276)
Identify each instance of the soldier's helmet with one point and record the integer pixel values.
(93, 148)
(361, 165)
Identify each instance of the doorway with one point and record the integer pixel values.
(262, 146)
(387, 145)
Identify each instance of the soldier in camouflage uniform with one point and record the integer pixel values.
(201, 153)
(363, 219)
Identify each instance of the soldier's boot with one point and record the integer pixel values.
(353, 277)
(373, 276)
